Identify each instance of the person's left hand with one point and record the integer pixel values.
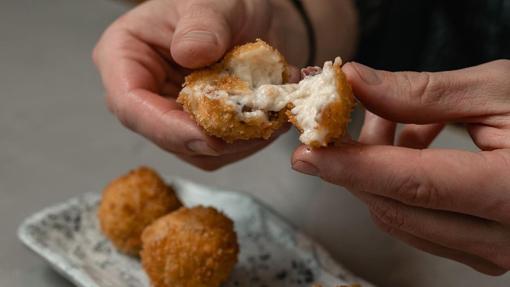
(451, 203)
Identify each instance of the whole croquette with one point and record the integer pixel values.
(191, 247)
(132, 202)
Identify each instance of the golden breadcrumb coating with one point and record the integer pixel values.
(191, 247)
(336, 116)
(219, 118)
(132, 202)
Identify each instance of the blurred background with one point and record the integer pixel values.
(58, 140)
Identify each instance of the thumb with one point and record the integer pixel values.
(422, 98)
(205, 31)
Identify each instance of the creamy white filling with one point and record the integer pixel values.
(267, 97)
(314, 93)
(308, 97)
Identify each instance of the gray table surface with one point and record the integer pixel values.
(58, 140)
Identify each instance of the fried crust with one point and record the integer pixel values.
(132, 202)
(191, 247)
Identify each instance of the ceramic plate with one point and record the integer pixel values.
(273, 253)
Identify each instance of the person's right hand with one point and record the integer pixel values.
(144, 56)
(447, 202)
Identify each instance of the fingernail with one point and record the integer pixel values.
(305, 167)
(201, 36)
(202, 148)
(367, 74)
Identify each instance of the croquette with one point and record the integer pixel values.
(191, 247)
(132, 202)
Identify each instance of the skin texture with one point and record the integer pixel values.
(144, 56)
(132, 202)
(192, 247)
(447, 202)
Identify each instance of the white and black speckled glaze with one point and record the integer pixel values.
(273, 253)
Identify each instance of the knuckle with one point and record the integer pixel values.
(414, 192)
(109, 35)
(201, 9)
(420, 88)
(427, 90)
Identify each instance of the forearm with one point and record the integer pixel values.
(334, 23)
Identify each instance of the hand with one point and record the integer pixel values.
(144, 56)
(450, 203)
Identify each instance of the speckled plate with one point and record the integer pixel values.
(273, 253)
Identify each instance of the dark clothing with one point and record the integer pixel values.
(433, 35)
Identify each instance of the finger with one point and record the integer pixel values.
(423, 98)
(209, 163)
(459, 181)
(377, 130)
(418, 136)
(205, 31)
(453, 231)
(475, 262)
(488, 137)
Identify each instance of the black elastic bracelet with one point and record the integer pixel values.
(309, 29)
